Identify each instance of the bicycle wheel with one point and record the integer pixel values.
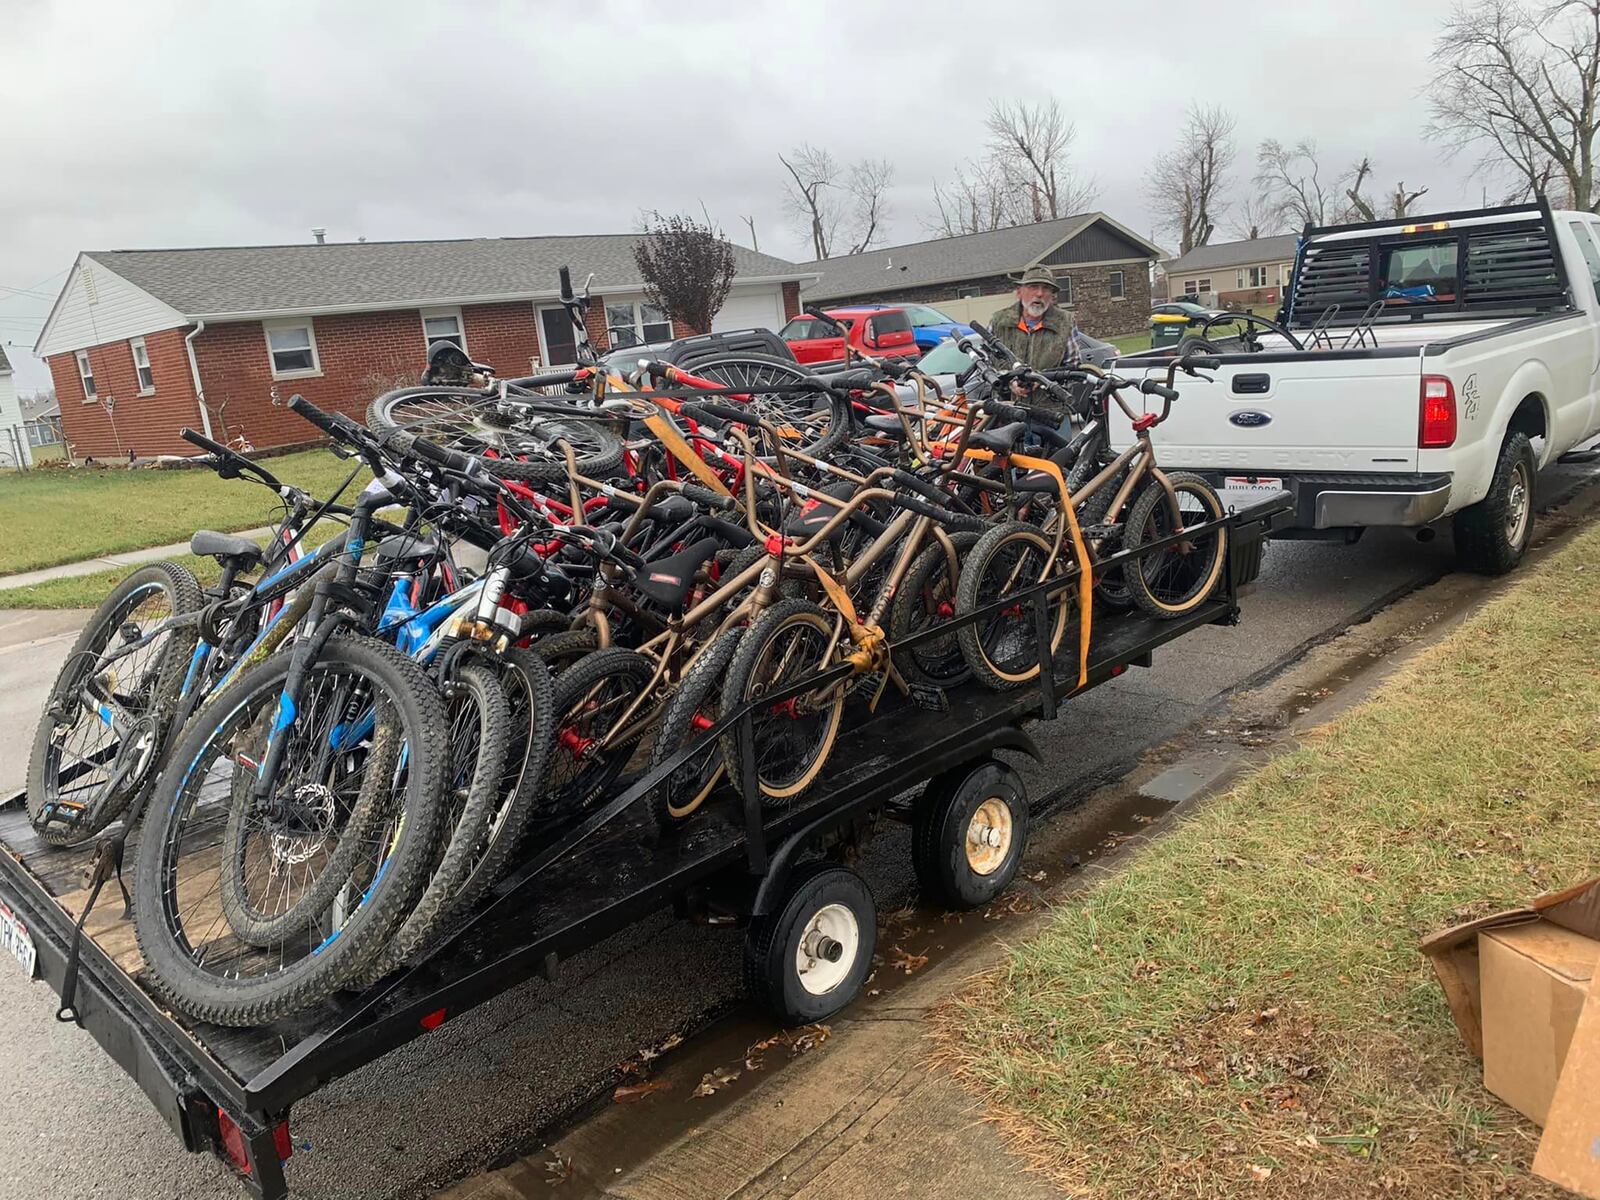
(530, 698)
(515, 439)
(480, 732)
(1003, 648)
(820, 419)
(690, 711)
(105, 724)
(792, 738)
(387, 748)
(562, 650)
(927, 597)
(1172, 580)
(590, 696)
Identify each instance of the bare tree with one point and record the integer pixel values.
(1185, 184)
(751, 222)
(687, 268)
(1360, 208)
(1401, 200)
(1520, 85)
(868, 182)
(1032, 144)
(977, 200)
(1290, 179)
(1255, 217)
(812, 200)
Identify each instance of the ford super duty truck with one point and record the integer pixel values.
(1419, 369)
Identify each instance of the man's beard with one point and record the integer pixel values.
(1036, 308)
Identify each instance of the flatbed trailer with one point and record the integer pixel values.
(229, 1091)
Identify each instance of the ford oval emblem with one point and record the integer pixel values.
(1249, 418)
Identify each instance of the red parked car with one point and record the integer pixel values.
(880, 332)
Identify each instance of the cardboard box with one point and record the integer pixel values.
(1533, 980)
(1519, 984)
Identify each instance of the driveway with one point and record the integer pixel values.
(487, 1082)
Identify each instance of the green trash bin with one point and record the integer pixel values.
(1167, 330)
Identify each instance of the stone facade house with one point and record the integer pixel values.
(1103, 268)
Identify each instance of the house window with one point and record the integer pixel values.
(1255, 277)
(636, 323)
(292, 346)
(86, 373)
(1065, 296)
(1191, 287)
(444, 325)
(1116, 285)
(969, 292)
(141, 367)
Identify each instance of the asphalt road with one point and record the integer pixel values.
(484, 1082)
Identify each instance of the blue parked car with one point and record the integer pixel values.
(928, 324)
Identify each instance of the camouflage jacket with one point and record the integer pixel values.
(1043, 348)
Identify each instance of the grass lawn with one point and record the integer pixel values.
(86, 591)
(62, 516)
(1243, 1010)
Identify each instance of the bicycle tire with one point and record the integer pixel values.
(472, 794)
(589, 694)
(735, 370)
(488, 429)
(937, 662)
(530, 693)
(413, 715)
(1149, 519)
(681, 795)
(976, 590)
(169, 665)
(743, 683)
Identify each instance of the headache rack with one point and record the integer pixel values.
(229, 1091)
(1476, 263)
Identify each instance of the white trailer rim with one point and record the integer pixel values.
(827, 949)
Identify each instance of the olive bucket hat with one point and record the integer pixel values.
(1039, 275)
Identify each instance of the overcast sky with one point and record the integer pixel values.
(159, 123)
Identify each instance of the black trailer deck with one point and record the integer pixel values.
(229, 1090)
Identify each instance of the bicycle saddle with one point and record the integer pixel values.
(1000, 438)
(224, 547)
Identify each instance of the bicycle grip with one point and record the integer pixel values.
(1153, 387)
(566, 283)
(194, 437)
(950, 520)
(308, 411)
(1200, 362)
(1005, 412)
(706, 498)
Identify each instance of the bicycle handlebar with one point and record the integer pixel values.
(231, 459)
(706, 498)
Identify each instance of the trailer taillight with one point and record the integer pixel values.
(1436, 425)
(233, 1143)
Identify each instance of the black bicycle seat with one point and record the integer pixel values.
(1000, 438)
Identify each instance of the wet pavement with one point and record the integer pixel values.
(483, 1088)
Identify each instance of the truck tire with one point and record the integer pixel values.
(969, 832)
(807, 960)
(1492, 534)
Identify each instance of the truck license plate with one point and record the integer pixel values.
(14, 937)
(1253, 483)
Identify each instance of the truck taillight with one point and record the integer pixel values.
(1436, 426)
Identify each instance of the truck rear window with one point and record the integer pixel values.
(1419, 273)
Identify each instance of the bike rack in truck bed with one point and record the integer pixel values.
(229, 1091)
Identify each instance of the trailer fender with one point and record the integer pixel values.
(770, 892)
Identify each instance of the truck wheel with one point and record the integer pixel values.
(969, 833)
(807, 960)
(1492, 534)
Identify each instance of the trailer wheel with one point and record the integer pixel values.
(969, 833)
(807, 960)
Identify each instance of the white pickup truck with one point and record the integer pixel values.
(1419, 369)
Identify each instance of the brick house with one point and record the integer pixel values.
(1103, 268)
(1234, 274)
(141, 343)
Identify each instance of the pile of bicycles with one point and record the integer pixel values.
(553, 586)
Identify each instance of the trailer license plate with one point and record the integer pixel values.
(15, 938)
(1253, 483)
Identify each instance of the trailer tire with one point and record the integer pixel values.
(1492, 534)
(969, 833)
(808, 959)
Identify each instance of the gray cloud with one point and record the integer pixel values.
(171, 124)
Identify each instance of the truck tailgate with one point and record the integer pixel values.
(1309, 413)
